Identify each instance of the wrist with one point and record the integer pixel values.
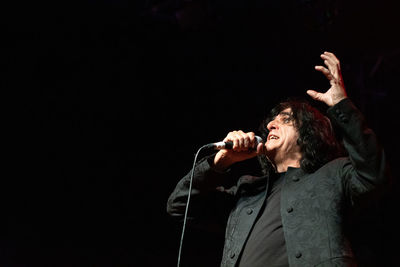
(220, 162)
(338, 100)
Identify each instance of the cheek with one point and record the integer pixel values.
(294, 141)
(291, 139)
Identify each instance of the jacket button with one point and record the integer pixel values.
(344, 118)
(289, 209)
(249, 211)
(295, 179)
(233, 255)
(298, 254)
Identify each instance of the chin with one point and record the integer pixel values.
(271, 147)
(271, 151)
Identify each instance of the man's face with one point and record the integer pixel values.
(282, 138)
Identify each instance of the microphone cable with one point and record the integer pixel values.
(188, 201)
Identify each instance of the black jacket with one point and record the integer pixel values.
(314, 206)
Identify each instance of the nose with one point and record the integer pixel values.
(272, 125)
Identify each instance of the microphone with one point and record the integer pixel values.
(229, 144)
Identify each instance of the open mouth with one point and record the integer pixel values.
(273, 137)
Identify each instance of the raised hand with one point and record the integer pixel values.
(337, 91)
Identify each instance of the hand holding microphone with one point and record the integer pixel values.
(229, 144)
(237, 146)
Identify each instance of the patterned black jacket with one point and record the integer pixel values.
(314, 207)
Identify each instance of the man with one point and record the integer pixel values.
(294, 209)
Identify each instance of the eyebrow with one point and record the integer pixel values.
(286, 114)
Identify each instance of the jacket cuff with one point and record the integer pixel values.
(206, 176)
(342, 112)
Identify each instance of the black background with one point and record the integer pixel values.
(109, 100)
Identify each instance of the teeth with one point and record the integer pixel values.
(273, 137)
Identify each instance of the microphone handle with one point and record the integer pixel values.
(223, 145)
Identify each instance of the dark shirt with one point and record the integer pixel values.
(266, 243)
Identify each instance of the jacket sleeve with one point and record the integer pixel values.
(208, 200)
(366, 169)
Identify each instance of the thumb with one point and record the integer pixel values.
(260, 148)
(315, 95)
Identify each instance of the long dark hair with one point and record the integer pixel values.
(317, 140)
